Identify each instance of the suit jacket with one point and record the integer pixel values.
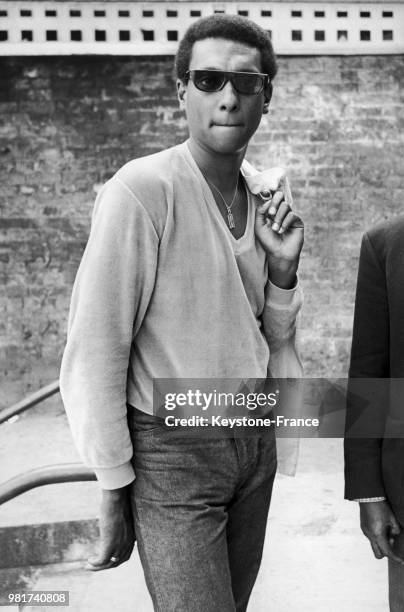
(374, 466)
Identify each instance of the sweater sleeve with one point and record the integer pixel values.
(110, 296)
(280, 329)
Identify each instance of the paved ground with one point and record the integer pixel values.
(315, 557)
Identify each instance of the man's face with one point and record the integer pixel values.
(222, 121)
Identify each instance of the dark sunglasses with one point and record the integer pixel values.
(247, 83)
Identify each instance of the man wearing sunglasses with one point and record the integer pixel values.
(189, 272)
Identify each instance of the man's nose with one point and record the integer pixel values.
(229, 99)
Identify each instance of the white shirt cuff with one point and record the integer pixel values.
(367, 500)
(116, 477)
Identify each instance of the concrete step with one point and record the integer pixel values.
(121, 589)
(29, 545)
(314, 574)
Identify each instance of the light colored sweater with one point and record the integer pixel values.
(164, 291)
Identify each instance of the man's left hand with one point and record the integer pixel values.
(281, 233)
(117, 535)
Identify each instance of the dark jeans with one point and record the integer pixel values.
(200, 508)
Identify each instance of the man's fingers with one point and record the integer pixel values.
(376, 550)
(113, 561)
(379, 524)
(394, 526)
(108, 556)
(385, 548)
(281, 213)
(263, 209)
(96, 567)
(101, 559)
(99, 568)
(275, 202)
(291, 220)
(127, 554)
(274, 211)
(277, 198)
(112, 556)
(104, 562)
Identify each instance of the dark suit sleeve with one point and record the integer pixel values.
(367, 402)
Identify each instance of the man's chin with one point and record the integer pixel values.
(228, 147)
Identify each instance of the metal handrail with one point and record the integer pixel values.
(49, 474)
(30, 401)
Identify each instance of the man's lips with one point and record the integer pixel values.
(227, 124)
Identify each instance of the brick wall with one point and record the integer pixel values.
(66, 124)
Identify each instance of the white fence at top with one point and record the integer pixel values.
(113, 27)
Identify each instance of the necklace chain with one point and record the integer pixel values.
(230, 218)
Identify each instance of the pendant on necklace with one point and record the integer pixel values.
(230, 220)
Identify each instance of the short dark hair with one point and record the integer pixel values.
(229, 27)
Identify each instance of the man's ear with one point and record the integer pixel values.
(267, 98)
(181, 93)
(268, 93)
